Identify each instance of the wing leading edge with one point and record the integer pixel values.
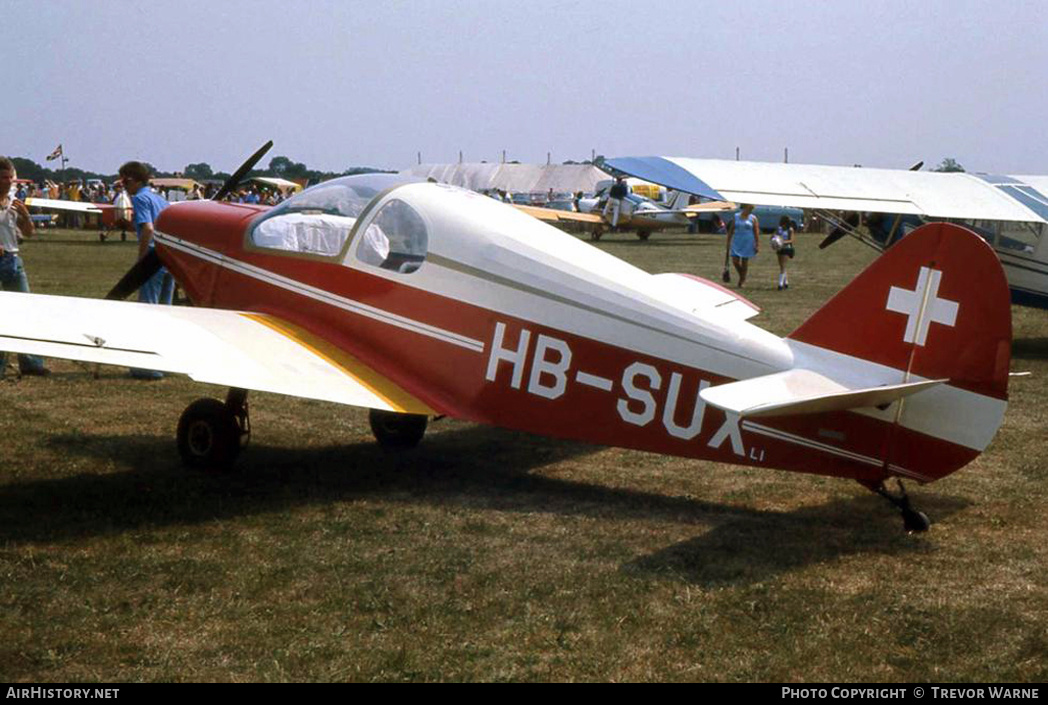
(228, 348)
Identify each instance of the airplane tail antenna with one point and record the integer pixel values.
(936, 305)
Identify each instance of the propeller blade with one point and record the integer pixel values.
(234, 180)
(917, 166)
(135, 277)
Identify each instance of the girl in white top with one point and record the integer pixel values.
(784, 249)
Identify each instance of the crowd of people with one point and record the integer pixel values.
(97, 191)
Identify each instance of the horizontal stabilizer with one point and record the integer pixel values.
(802, 391)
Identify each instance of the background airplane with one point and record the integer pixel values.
(419, 299)
(638, 212)
(1009, 212)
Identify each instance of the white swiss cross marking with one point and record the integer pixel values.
(922, 306)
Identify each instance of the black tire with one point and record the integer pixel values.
(915, 521)
(643, 234)
(596, 234)
(208, 435)
(395, 430)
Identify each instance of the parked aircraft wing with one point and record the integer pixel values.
(931, 194)
(60, 205)
(666, 172)
(710, 207)
(801, 391)
(228, 348)
(551, 215)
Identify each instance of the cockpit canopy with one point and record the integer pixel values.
(321, 219)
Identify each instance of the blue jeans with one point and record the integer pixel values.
(158, 289)
(13, 278)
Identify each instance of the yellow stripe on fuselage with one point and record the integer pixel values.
(397, 398)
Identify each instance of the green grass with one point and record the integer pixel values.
(491, 555)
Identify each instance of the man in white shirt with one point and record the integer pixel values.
(15, 225)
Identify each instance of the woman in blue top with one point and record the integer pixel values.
(743, 242)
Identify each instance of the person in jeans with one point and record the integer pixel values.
(147, 205)
(15, 225)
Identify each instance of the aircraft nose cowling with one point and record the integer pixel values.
(189, 235)
(210, 224)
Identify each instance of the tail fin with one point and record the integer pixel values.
(935, 306)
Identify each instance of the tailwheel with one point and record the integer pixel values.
(211, 433)
(596, 233)
(913, 521)
(396, 430)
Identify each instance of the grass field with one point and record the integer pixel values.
(491, 555)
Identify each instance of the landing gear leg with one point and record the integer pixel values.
(912, 519)
(211, 433)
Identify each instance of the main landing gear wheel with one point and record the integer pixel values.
(913, 521)
(643, 234)
(596, 234)
(395, 430)
(211, 433)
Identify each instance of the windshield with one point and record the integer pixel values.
(319, 220)
(346, 196)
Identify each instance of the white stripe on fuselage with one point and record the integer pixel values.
(322, 295)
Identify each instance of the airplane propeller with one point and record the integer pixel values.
(135, 277)
(149, 265)
(233, 181)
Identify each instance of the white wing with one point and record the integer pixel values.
(59, 205)
(931, 194)
(229, 348)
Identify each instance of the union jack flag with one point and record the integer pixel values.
(55, 154)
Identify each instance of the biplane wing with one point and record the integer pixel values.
(229, 348)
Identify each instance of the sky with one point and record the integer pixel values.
(344, 83)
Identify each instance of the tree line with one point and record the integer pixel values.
(280, 167)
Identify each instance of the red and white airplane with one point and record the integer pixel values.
(416, 299)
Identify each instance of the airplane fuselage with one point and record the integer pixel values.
(544, 334)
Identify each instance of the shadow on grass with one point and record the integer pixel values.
(751, 549)
(477, 466)
(1030, 348)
